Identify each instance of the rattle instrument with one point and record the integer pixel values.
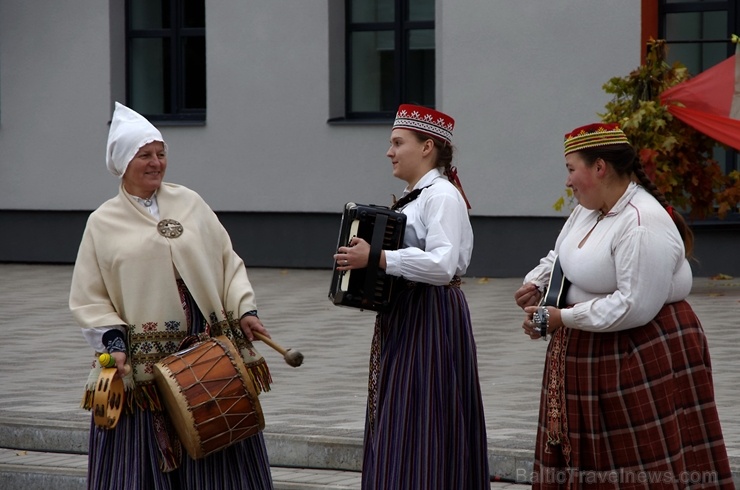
(108, 399)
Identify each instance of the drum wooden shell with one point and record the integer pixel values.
(209, 396)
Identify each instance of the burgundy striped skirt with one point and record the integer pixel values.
(632, 409)
(425, 426)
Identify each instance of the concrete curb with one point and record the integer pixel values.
(339, 450)
(287, 447)
(54, 436)
(42, 477)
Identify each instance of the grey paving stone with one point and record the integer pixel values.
(314, 413)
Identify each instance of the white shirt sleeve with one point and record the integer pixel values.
(437, 263)
(540, 275)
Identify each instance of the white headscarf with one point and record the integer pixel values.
(129, 131)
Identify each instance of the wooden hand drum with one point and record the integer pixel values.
(209, 396)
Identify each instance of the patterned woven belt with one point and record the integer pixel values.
(456, 282)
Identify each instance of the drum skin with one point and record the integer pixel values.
(209, 396)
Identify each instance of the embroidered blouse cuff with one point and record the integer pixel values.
(114, 341)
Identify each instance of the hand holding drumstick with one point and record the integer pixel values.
(252, 327)
(292, 357)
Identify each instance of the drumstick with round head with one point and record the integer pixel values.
(292, 357)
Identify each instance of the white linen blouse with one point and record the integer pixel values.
(631, 264)
(438, 241)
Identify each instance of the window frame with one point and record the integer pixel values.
(175, 85)
(401, 27)
(729, 6)
(733, 25)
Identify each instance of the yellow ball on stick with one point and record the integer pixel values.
(106, 360)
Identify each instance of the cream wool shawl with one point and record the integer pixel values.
(125, 274)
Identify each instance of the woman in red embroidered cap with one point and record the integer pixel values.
(627, 398)
(425, 425)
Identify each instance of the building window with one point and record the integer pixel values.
(697, 34)
(390, 56)
(166, 59)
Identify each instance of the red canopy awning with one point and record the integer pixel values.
(710, 102)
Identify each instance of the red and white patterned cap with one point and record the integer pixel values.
(424, 120)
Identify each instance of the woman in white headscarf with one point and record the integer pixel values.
(155, 265)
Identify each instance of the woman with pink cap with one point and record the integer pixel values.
(425, 426)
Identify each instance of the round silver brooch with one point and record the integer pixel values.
(169, 228)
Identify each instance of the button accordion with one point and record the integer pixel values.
(369, 288)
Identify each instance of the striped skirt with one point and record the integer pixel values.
(127, 458)
(631, 410)
(425, 426)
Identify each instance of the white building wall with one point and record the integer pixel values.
(518, 75)
(515, 74)
(54, 103)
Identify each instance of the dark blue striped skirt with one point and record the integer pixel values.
(127, 458)
(425, 426)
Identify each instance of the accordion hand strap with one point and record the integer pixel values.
(373, 260)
